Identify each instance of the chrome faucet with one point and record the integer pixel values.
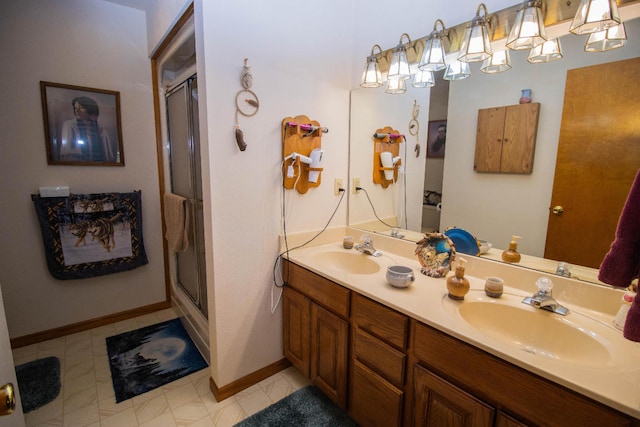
(366, 247)
(395, 233)
(543, 299)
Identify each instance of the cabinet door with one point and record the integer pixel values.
(519, 141)
(439, 403)
(329, 355)
(489, 134)
(504, 420)
(296, 312)
(373, 401)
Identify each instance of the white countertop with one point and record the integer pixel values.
(615, 382)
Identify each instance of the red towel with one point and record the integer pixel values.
(622, 263)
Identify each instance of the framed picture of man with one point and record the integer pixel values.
(437, 138)
(81, 125)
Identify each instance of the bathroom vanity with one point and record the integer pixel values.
(405, 357)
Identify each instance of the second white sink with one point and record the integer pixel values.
(573, 339)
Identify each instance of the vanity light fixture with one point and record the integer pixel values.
(457, 70)
(423, 78)
(499, 62)
(371, 76)
(396, 86)
(611, 38)
(545, 52)
(475, 46)
(528, 30)
(399, 67)
(594, 16)
(433, 54)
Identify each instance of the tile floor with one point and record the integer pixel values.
(87, 397)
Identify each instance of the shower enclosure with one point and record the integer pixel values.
(176, 86)
(186, 181)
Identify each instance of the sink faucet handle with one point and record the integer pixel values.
(545, 285)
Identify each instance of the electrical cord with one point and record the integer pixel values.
(278, 260)
(373, 208)
(404, 184)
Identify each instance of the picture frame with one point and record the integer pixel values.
(82, 125)
(436, 139)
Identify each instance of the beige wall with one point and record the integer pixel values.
(89, 43)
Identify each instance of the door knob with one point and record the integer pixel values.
(9, 398)
(557, 210)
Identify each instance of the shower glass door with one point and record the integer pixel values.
(186, 181)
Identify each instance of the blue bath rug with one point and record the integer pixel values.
(38, 382)
(307, 407)
(150, 357)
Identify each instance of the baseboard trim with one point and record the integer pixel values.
(86, 325)
(222, 393)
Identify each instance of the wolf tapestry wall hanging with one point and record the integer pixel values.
(88, 235)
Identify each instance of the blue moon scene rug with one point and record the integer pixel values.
(149, 357)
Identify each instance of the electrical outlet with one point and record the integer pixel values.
(337, 185)
(355, 183)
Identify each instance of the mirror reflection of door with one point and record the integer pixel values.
(599, 129)
(434, 167)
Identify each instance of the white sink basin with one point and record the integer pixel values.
(573, 338)
(350, 262)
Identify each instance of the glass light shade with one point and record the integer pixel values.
(528, 30)
(457, 70)
(608, 39)
(423, 78)
(594, 16)
(433, 55)
(499, 62)
(396, 86)
(371, 76)
(475, 45)
(399, 67)
(545, 52)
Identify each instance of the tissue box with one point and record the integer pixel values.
(54, 191)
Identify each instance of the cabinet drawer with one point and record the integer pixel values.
(322, 291)
(380, 321)
(382, 358)
(374, 401)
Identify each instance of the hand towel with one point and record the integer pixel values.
(176, 219)
(622, 263)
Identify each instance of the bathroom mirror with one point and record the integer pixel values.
(492, 207)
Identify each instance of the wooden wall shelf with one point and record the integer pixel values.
(382, 144)
(296, 139)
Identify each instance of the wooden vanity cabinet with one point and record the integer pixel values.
(402, 372)
(457, 382)
(316, 330)
(379, 337)
(506, 138)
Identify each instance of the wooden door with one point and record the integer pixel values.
(8, 375)
(329, 352)
(438, 403)
(296, 311)
(598, 157)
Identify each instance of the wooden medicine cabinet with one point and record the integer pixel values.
(506, 138)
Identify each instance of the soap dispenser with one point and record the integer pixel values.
(458, 285)
(512, 254)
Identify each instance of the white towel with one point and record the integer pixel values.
(176, 218)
